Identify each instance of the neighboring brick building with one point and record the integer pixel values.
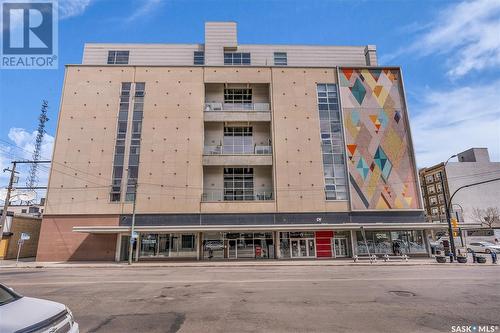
(473, 166)
(18, 225)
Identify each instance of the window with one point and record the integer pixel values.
(238, 184)
(187, 242)
(240, 96)
(429, 179)
(199, 58)
(238, 140)
(433, 200)
(24, 211)
(280, 59)
(441, 198)
(443, 210)
(121, 133)
(118, 57)
(434, 211)
(437, 176)
(382, 242)
(236, 58)
(431, 189)
(135, 142)
(332, 142)
(439, 188)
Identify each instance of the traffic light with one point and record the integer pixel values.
(454, 223)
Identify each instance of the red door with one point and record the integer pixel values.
(324, 244)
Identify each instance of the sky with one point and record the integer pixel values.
(449, 52)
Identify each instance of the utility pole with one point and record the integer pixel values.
(131, 247)
(448, 217)
(3, 220)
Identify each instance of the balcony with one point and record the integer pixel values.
(238, 150)
(237, 186)
(237, 102)
(237, 107)
(231, 155)
(218, 196)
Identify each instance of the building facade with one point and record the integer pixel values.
(232, 151)
(472, 166)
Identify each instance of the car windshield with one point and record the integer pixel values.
(7, 296)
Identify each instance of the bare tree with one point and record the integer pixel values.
(488, 217)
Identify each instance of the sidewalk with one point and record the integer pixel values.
(241, 263)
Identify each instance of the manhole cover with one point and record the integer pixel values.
(402, 293)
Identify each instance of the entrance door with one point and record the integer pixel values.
(340, 247)
(303, 248)
(232, 249)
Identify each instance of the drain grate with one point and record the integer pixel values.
(402, 293)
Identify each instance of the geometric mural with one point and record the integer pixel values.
(380, 163)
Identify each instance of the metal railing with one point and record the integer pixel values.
(219, 196)
(215, 106)
(238, 150)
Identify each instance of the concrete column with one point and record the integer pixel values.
(276, 241)
(427, 244)
(199, 250)
(353, 239)
(118, 247)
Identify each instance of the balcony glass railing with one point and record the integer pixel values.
(261, 107)
(219, 196)
(238, 150)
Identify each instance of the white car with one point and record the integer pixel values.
(19, 314)
(485, 247)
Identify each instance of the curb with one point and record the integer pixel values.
(188, 265)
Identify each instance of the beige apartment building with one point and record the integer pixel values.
(232, 151)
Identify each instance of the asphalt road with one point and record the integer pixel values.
(269, 299)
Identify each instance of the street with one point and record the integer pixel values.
(273, 298)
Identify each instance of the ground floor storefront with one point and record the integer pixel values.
(261, 245)
(233, 236)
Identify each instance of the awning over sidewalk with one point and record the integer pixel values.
(275, 227)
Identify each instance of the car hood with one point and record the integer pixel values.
(27, 311)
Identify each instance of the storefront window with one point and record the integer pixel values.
(234, 245)
(168, 245)
(393, 242)
(213, 246)
(284, 245)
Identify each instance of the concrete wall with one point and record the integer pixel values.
(58, 242)
(481, 196)
(300, 184)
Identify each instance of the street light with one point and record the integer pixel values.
(446, 207)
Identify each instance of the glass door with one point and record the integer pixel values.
(340, 247)
(163, 245)
(232, 249)
(295, 248)
(303, 248)
(311, 248)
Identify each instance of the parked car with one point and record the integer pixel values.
(485, 247)
(26, 314)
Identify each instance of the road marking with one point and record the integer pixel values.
(86, 282)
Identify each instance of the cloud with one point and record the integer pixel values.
(467, 33)
(147, 7)
(20, 147)
(71, 8)
(448, 122)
